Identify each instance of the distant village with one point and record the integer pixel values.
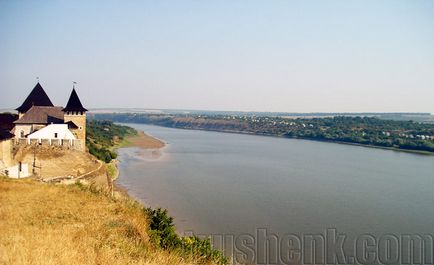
(39, 122)
(276, 121)
(353, 129)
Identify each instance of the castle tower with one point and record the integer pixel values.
(37, 97)
(75, 116)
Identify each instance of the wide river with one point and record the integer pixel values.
(239, 185)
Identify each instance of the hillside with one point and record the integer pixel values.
(58, 224)
(85, 222)
(54, 161)
(103, 137)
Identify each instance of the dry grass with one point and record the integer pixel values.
(55, 224)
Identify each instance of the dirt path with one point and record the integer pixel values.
(90, 172)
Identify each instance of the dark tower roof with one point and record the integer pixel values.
(37, 97)
(74, 103)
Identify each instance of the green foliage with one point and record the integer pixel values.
(194, 246)
(101, 153)
(112, 170)
(162, 229)
(399, 134)
(101, 135)
(162, 233)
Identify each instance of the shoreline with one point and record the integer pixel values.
(143, 140)
(140, 140)
(411, 151)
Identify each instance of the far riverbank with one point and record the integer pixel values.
(145, 144)
(407, 136)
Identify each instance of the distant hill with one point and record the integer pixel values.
(402, 134)
(403, 116)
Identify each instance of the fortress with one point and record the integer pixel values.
(39, 119)
(39, 122)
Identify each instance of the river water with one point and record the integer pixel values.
(244, 188)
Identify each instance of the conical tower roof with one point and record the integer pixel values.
(74, 103)
(37, 97)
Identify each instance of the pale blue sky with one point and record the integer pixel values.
(295, 56)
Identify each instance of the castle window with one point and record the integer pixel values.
(55, 135)
(22, 134)
(80, 127)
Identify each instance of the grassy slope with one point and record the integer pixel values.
(58, 224)
(103, 138)
(53, 224)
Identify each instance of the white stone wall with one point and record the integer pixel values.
(53, 131)
(76, 144)
(25, 128)
(6, 152)
(13, 172)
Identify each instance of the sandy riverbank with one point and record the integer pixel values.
(145, 141)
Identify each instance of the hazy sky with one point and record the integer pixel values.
(295, 56)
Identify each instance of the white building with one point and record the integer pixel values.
(52, 132)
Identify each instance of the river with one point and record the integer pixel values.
(239, 185)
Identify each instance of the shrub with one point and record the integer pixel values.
(100, 135)
(162, 233)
